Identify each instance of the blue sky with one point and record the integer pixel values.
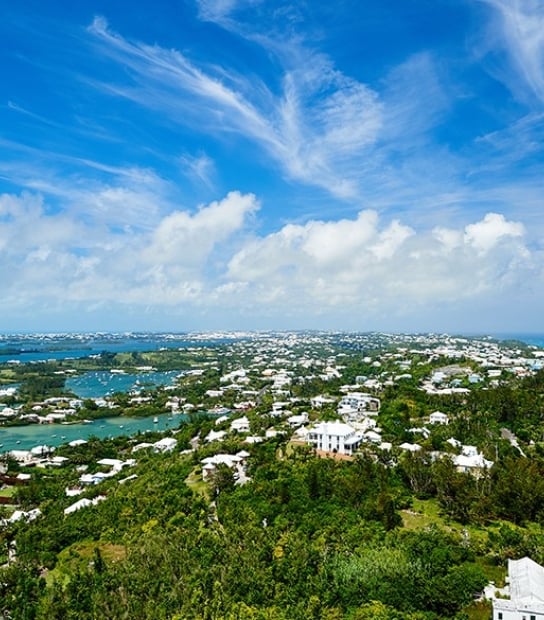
(246, 164)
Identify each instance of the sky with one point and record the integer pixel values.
(256, 164)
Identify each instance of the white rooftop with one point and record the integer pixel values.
(526, 580)
(333, 428)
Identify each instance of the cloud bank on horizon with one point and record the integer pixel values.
(249, 164)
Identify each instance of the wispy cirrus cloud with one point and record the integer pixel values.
(515, 143)
(120, 198)
(11, 105)
(219, 11)
(198, 167)
(521, 29)
(313, 129)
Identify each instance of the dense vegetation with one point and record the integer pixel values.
(308, 538)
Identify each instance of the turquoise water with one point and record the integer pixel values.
(26, 437)
(104, 383)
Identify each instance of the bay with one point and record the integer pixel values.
(26, 437)
(98, 384)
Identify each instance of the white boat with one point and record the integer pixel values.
(155, 420)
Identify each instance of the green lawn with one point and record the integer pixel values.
(78, 556)
(426, 512)
(422, 514)
(480, 610)
(196, 484)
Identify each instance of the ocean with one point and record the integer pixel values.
(533, 339)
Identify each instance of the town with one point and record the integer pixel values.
(445, 422)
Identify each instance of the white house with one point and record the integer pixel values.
(166, 444)
(474, 463)
(77, 442)
(240, 425)
(251, 439)
(334, 437)
(18, 515)
(113, 463)
(410, 447)
(319, 401)
(437, 417)
(141, 446)
(83, 503)
(358, 401)
(210, 463)
(297, 420)
(21, 456)
(95, 478)
(373, 437)
(526, 588)
(8, 412)
(214, 393)
(215, 436)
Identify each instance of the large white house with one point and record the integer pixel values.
(526, 602)
(471, 461)
(334, 437)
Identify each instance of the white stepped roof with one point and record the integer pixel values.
(526, 580)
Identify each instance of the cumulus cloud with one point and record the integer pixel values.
(214, 258)
(186, 238)
(26, 227)
(64, 254)
(487, 233)
(365, 265)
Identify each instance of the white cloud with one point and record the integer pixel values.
(52, 255)
(487, 233)
(184, 238)
(132, 198)
(369, 267)
(26, 227)
(219, 11)
(313, 129)
(199, 167)
(215, 10)
(450, 239)
(521, 24)
(213, 259)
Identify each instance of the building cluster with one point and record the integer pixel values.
(302, 388)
